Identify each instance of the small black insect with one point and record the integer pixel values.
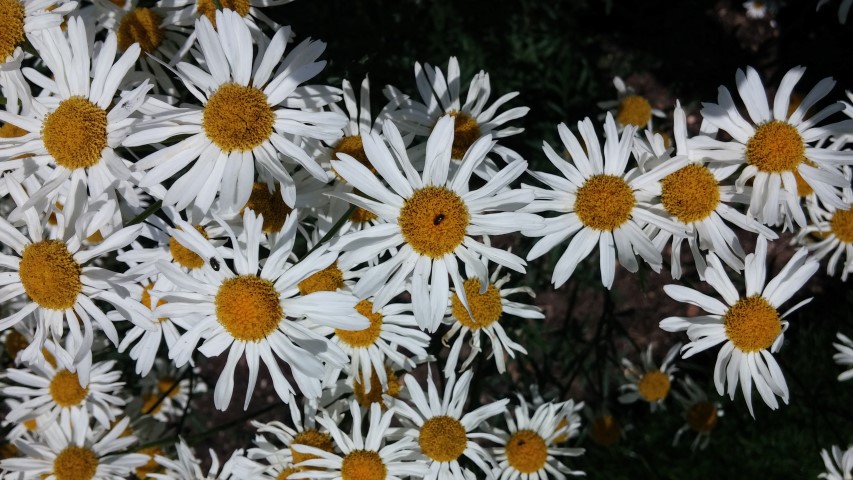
(214, 264)
(438, 219)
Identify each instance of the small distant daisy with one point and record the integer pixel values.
(701, 414)
(629, 108)
(445, 433)
(835, 231)
(70, 448)
(844, 356)
(256, 311)
(431, 218)
(755, 8)
(600, 205)
(775, 146)
(362, 457)
(606, 430)
(487, 309)
(649, 382)
(188, 467)
(843, 9)
(839, 465)
(751, 326)
(167, 391)
(251, 106)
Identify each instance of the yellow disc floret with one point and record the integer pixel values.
(65, 389)
(604, 202)
(702, 416)
(486, 308)
(329, 279)
(312, 438)
(363, 465)
(466, 131)
(75, 463)
(15, 342)
(691, 193)
(269, 204)
(443, 438)
(605, 431)
(151, 466)
(142, 26)
(775, 147)
(12, 23)
(75, 133)
(237, 118)
(50, 275)
(374, 395)
(526, 451)
(353, 146)
(8, 130)
(367, 337)
(248, 307)
(752, 324)
(208, 8)
(146, 300)
(842, 225)
(185, 256)
(653, 386)
(634, 110)
(433, 221)
(286, 473)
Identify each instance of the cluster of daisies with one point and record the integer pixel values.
(174, 189)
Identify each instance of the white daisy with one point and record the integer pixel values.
(750, 326)
(835, 231)
(256, 311)
(529, 450)
(251, 105)
(445, 433)
(72, 447)
(367, 457)
(599, 204)
(26, 19)
(630, 109)
(485, 313)
(839, 466)
(700, 414)
(756, 8)
(167, 391)
(74, 133)
(649, 382)
(844, 356)
(188, 466)
(775, 145)
(431, 218)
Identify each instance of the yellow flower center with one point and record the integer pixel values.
(702, 417)
(65, 389)
(15, 342)
(8, 450)
(654, 386)
(208, 8)
(146, 300)
(12, 34)
(842, 225)
(563, 423)
(248, 307)
(270, 205)
(526, 451)
(466, 131)
(486, 308)
(443, 438)
(691, 193)
(775, 147)
(352, 145)
(142, 26)
(151, 466)
(75, 133)
(604, 202)
(8, 130)
(312, 438)
(634, 110)
(50, 275)
(433, 221)
(75, 463)
(365, 399)
(605, 431)
(360, 215)
(148, 404)
(367, 337)
(165, 383)
(327, 280)
(286, 473)
(363, 465)
(752, 324)
(183, 255)
(237, 118)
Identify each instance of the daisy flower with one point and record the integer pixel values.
(750, 327)
(431, 218)
(839, 466)
(844, 355)
(649, 382)
(843, 9)
(528, 449)
(755, 8)
(23, 19)
(445, 433)
(251, 105)
(629, 108)
(70, 448)
(599, 204)
(835, 230)
(256, 311)
(487, 309)
(167, 391)
(362, 457)
(188, 467)
(701, 414)
(775, 145)
(74, 133)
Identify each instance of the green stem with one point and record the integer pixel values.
(335, 228)
(146, 213)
